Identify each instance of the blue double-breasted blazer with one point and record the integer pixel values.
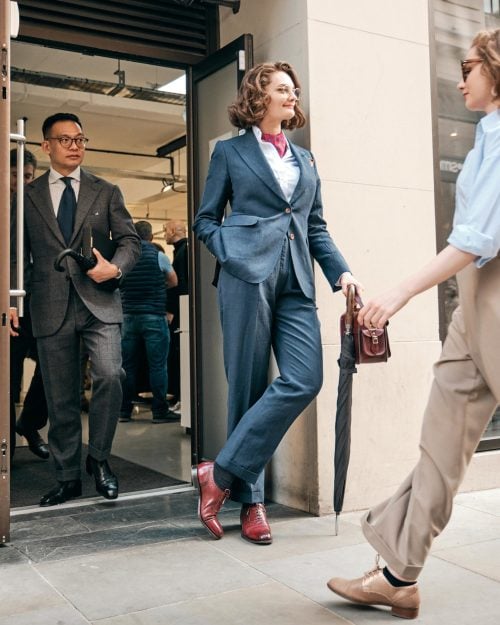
(248, 242)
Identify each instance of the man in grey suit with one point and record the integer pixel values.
(73, 305)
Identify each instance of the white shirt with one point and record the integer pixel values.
(57, 186)
(286, 170)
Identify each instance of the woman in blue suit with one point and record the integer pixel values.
(266, 287)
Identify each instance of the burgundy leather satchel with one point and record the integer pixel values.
(370, 344)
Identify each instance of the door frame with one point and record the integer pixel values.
(216, 60)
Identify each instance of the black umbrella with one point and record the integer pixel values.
(347, 365)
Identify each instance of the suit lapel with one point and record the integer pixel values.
(249, 150)
(87, 195)
(39, 194)
(305, 163)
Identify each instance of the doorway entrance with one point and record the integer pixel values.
(135, 117)
(156, 146)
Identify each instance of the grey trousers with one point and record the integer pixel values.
(60, 362)
(464, 395)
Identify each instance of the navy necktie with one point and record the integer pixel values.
(67, 210)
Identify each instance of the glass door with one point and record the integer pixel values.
(214, 83)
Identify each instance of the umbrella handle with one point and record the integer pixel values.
(353, 304)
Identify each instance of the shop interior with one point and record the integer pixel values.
(134, 116)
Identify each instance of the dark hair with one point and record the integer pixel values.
(58, 117)
(250, 106)
(29, 158)
(159, 247)
(144, 230)
(487, 44)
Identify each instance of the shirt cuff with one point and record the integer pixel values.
(474, 242)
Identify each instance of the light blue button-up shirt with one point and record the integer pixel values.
(476, 225)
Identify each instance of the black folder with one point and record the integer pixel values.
(99, 240)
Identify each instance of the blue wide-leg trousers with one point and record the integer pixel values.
(256, 318)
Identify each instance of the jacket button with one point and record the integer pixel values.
(288, 209)
(291, 236)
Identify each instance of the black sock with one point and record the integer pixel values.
(394, 581)
(223, 478)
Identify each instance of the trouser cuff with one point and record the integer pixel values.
(404, 570)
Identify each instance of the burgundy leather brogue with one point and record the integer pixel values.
(254, 525)
(211, 498)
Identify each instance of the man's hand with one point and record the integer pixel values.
(104, 270)
(14, 322)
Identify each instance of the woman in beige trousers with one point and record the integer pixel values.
(466, 387)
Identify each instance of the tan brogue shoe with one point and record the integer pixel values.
(254, 524)
(211, 498)
(374, 589)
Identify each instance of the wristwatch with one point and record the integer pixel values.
(119, 274)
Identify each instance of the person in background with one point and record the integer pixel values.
(29, 171)
(144, 299)
(466, 387)
(34, 413)
(176, 235)
(265, 248)
(72, 305)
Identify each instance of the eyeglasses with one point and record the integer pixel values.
(289, 91)
(67, 142)
(466, 70)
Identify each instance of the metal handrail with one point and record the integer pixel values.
(19, 293)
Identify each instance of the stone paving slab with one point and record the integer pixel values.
(130, 580)
(450, 594)
(480, 557)
(26, 598)
(152, 563)
(268, 604)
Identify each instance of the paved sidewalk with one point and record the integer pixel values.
(150, 563)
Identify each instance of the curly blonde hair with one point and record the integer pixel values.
(487, 44)
(250, 106)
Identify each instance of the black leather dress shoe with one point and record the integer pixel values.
(61, 493)
(36, 444)
(106, 482)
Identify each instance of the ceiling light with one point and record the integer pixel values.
(175, 86)
(167, 185)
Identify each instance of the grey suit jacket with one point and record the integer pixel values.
(100, 205)
(248, 242)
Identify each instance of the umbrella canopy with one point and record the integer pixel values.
(347, 365)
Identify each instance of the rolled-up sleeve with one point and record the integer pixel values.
(477, 227)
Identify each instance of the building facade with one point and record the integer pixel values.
(389, 133)
(376, 78)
